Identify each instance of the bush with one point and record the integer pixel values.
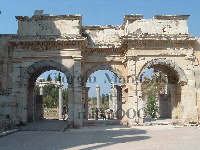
(152, 109)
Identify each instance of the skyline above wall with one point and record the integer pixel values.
(98, 12)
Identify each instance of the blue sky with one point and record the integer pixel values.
(99, 12)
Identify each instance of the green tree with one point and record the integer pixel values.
(155, 86)
(151, 105)
(49, 102)
(48, 89)
(105, 102)
(49, 78)
(59, 77)
(51, 96)
(65, 97)
(37, 90)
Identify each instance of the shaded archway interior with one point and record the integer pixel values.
(35, 109)
(168, 101)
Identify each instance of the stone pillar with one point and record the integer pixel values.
(30, 103)
(70, 105)
(41, 90)
(140, 112)
(22, 105)
(132, 101)
(110, 101)
(114, 100)
(174, 101)
(60, 102)
(78, 112)
(86, 102)
(98, 96)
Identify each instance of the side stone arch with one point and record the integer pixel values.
(166, 63)
(116, 71)
(39, 67)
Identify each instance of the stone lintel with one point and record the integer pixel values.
(171, 17)
(132, 18)
(77, 57)
(49, 17)
(85, 88)
(98, 27)
(48, 43)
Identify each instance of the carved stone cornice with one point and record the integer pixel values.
(47, 45)
(49, 17)
(17, 60)
(128, 58)
(77, 57)
(148, 44)
(171, 17)
(92, 51)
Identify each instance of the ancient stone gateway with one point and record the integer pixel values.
(45, 42)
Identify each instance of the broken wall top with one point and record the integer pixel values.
(44, 24)
(160, 24)
(70, 26)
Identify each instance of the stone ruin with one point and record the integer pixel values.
(45, 42)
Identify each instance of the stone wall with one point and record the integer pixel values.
(160, 24)
(43, 25)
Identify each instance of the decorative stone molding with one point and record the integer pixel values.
(77, 57)
(161, 44)
(47, 45)
(17, 60)
(100, 27)
(92, 51)
(46, 17)
(171, 17)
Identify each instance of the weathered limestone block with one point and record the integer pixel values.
(101, 36)
(160, 25)
(42, 25)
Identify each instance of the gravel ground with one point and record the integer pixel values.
(106, 137)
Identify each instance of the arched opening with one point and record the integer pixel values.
(51, 88)
(35, 103)
(161, 89)
(104, 96)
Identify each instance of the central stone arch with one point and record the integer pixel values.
(168, 64)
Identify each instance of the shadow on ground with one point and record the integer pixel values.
(45, 125)
(90, 137)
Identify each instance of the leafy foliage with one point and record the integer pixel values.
(49, 102)
(152, 88)
(155, 86)
(103, 105)
(59, 77)
(152, 108)
(51, 96)
(49, 78)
